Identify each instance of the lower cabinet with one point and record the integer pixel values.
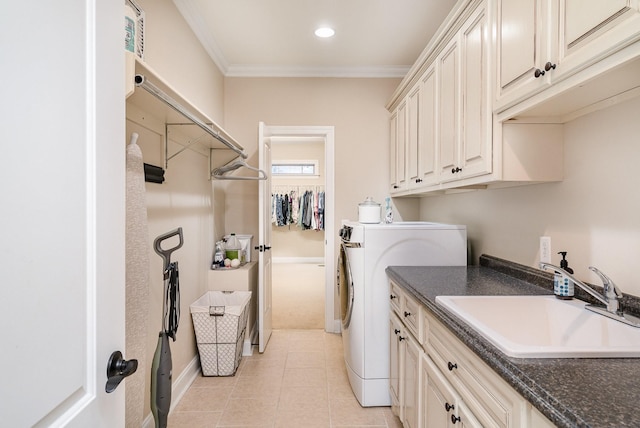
(437, 381)
(442, 406)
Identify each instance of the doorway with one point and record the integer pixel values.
(313, 256)
(297, 232)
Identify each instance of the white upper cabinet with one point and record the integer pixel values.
(542, 42)
(524, 43)
(475, 135)
(449, 110)
(427, 133)
(592, 29)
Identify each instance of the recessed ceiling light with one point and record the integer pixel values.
(325, 32)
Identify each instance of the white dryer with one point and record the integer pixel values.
(365, 253)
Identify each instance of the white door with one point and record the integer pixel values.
(265, 306)
(62, 175)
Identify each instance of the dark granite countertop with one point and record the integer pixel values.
(571, 392)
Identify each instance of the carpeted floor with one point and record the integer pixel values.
(298, 295)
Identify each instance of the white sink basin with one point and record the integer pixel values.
(544, 327)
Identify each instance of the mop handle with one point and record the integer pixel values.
(166, 254)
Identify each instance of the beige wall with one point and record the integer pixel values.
(355, 107)
(290, 240)
(185, 198)
(594, 214)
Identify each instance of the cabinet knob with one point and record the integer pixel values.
(548, 66)
(449, 407)
(396, 331)
(400, 338)
(395, 186)
(418, 180)
(406, 314)
(456, 169)
(455, 419)
(393, 297)
(538, 73)
(452, 366)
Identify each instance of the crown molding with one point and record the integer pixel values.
(301, 71)
(189, 12)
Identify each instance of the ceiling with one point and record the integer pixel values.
(374, 38)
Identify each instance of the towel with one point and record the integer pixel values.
(137, 283)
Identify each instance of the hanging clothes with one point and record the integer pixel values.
(295, 208)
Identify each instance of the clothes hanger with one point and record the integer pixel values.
(219, 173)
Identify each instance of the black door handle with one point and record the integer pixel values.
(117, 369)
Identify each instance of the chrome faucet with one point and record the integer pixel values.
(610, 297)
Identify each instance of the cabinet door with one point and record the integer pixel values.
(401, 147)
(413, 133)
(523, 46)
(439, 401)
(427, 134)
(475, 140)
(448, 110)
(591, 29)
(411, 382)
(396, 359)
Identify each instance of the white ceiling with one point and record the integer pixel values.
(374, 38)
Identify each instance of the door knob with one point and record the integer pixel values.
(117, 369)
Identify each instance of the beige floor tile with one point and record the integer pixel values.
(303, 418)
(314, 377)
(300, 360)
(193, 419)
(264, 366)
(392, 420)
(204, 400)
(257, 386)
(214, 382)
(348, 412)
(299, 382)
(249, 412)
(304, 397)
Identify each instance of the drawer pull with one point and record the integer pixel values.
(452, 366)
(449, 407)
(407, 314)
(455, 419)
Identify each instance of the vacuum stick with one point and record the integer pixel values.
(161, 371)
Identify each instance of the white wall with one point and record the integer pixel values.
(186, 197)
(594, 214)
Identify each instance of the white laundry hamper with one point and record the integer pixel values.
(220, 322)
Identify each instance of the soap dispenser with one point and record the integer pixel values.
(563, 287)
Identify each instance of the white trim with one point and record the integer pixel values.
(178, 389)
(310, 260)
(189, 12)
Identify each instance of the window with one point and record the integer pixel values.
(294, 168)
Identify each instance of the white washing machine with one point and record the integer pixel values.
(363, 288)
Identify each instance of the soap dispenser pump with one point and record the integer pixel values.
(563, 287)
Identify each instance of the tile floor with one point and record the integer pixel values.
(299, 382)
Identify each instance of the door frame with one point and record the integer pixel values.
(327, 133)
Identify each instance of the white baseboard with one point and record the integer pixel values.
(249, 340)
(179, 387)
(315, 260)
(337, 325)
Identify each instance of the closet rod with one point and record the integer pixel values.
(141, 81)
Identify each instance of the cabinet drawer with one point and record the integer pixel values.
(411, 315)
(491, 400)
(395, 296)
